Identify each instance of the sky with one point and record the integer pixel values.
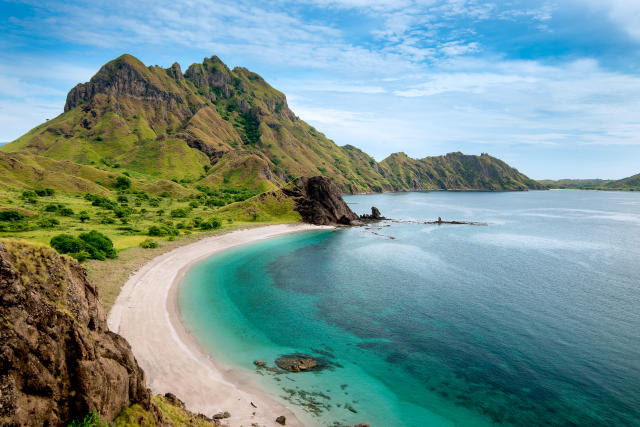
(550, 86)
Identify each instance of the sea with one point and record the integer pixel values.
(530, 318)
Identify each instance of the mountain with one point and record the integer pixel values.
(631, 183)
(453, 172)
(220, 127)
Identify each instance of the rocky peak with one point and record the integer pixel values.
(212, 73)
(175, 72)
(58, 360)
(124, 76)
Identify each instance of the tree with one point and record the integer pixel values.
(123, 183)
(84, 216)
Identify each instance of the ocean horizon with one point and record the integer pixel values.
(530, 319)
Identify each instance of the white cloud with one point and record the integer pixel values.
(625, 13)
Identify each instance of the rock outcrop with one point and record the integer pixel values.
(297, 362)
(319, 201)
(58, 360)
(375, 215)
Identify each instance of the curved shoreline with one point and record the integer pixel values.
(146, 313)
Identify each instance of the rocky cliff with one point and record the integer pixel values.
(319, 201)
(58, 360)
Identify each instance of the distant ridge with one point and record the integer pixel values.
(215, 126)
(631, 183)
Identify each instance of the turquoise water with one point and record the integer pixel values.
(533, 319)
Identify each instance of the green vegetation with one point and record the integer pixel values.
(631, 183)
(92, 419)
(149, 244)
(93, 245)
(171, 414)
(11, 216)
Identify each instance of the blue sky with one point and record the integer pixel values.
(552, 87)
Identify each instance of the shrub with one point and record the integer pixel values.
(81, 256)
(48, 222)
(180, 213)
(93, 245)
(51, 208)
(65, 211)
(122, 212)
(92, 419)
(123, 199)
(149, 244)
(67, 244)
(11, 216)
(97, 200)
(154, 230)
(211, 224)
(30, 196)
(45, 192)
(101, 243)
(122, 183)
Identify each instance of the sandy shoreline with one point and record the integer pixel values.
(146, 313)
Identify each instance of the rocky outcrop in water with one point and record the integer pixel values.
(58, 360)
(375, 215)
(297, 363)
(319, 201)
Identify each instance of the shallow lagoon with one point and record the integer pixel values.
(532, 319)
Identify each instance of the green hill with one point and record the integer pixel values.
(631, 183)
(218, 127)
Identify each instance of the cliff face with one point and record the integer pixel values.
(58, 360)
(318, 201)
(165, 124)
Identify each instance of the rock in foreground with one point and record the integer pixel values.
(58, 360)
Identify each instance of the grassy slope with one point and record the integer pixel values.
(171, 415)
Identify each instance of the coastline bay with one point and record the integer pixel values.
(529, 320)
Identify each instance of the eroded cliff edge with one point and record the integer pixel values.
(58, 360)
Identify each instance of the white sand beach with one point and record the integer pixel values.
(146, 313)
